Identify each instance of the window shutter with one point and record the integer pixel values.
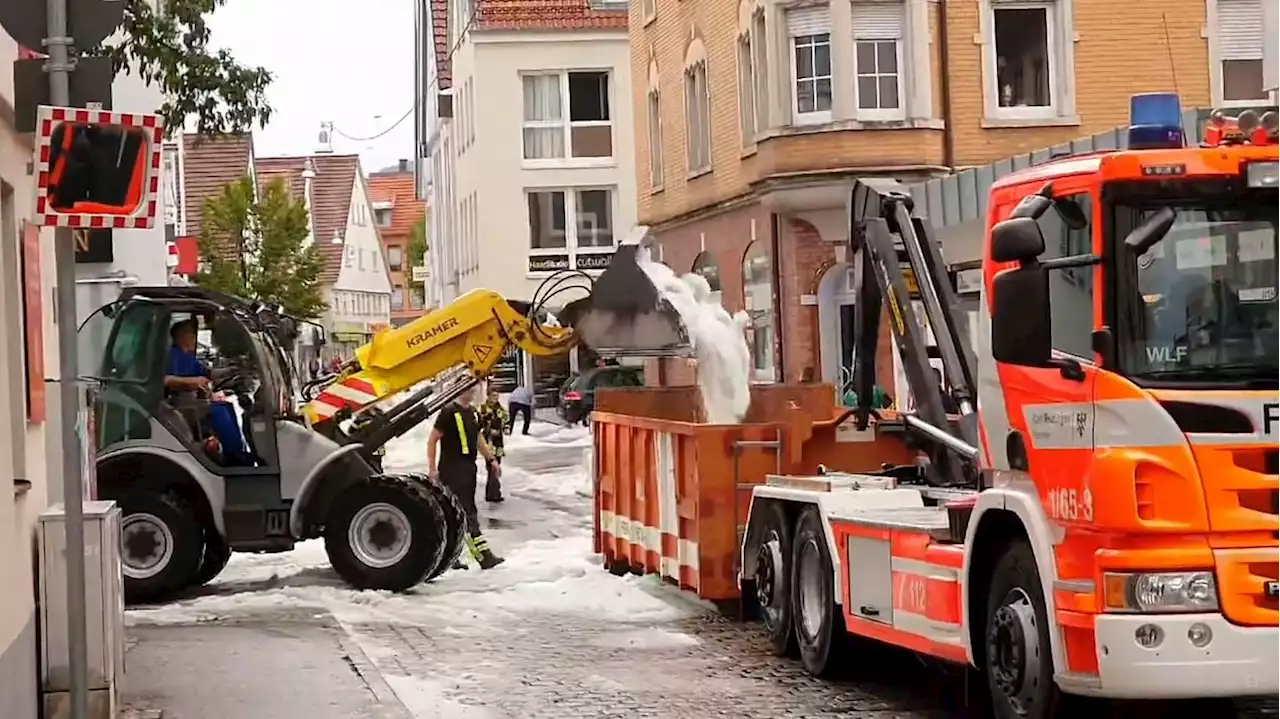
(1240, 29)
(809, 21)
(878, 20)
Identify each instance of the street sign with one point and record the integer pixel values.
(90, 84)
(89, 22)
(419, 273)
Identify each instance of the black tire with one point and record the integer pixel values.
(161, 545)
(405, 501)
(216, 556)
(773, 580)
(455, 521)
(1017, 658)
(822, 642)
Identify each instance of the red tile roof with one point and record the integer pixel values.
(407, 210)
(547, 15)
(210, 163)
(440, 39)
(330, 198)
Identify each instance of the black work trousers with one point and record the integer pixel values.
(460, 478)
(517, 409)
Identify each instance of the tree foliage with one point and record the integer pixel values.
(256, 247)
(418, 244)
(170, 51)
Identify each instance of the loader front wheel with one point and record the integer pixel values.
(773, 580)
(385, 532)
(455, 520)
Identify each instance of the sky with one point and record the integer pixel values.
(349, 62)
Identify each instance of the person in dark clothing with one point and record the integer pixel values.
(520, 403)
(451, 454)
(493, 427)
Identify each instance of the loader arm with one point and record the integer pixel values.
(468, 336)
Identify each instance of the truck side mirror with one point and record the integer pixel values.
(1020, 325)
(1017, 239)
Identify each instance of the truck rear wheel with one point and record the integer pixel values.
(161, 543)
(773, 580)
(385, 532)
(455, 520)
(820, 631)
(1017, 655)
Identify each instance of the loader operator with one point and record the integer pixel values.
(455, 440)
(185, 372)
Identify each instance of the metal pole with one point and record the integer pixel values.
(64, 254)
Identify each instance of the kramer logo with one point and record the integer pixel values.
(1270, 416)
(427, 334)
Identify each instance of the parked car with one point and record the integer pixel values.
(578, 394)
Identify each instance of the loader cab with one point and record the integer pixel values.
(128, 349)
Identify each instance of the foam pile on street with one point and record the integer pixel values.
(718, 339)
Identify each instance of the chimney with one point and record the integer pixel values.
(404, 165)
(324, 142)
(308, 175)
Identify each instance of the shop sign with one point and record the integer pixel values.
(548, 263)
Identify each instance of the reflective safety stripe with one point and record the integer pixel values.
(462, 432)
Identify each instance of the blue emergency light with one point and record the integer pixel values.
(1155, 121)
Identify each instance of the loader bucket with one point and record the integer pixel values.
(625, 315)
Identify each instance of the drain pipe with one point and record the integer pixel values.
(780, 355)
(944, 59)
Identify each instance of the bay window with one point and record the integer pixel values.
(810, 32)
(878, 35)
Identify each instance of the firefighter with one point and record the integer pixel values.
(455, 440)
(493, 425)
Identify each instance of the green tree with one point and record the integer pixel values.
(255, 247)
(170, 50)
(418, 244)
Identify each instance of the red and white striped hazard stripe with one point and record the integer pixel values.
(353, 393)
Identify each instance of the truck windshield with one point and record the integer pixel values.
(1203, 307)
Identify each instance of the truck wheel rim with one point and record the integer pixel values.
(768, 568)
(812, 590)
(380, 535)
(1013, 651)
(146, 545)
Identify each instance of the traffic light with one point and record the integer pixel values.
(97, 169)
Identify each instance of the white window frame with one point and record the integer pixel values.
(819, 116)
(1217, 76)
(571, 249)
(1057, 42)
(703, 139)
(760, 69)
(747, 116)
(648, 11)
(653, 109)
(567, 125)
(879, 113)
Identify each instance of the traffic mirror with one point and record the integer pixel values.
(98, 169)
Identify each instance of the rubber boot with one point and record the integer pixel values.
(489, 560)
(458, 564)
(479, 547)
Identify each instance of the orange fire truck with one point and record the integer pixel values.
(1100, 517)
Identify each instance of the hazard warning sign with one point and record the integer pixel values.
(483, 352)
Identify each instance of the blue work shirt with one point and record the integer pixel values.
(185, 364)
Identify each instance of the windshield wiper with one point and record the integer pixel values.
(1228, 371)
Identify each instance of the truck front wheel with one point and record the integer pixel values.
(385, 532)
(1018, 658)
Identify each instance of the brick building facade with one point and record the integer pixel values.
(753, 117)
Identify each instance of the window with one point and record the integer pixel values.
(417, 298)
(593, 214)
(877, 40)
(397, 299)
(471, 111)
(1070, 290)
(760, 70)
(697, 110)
(1240, 37)
(592, 229)
(655, 140)
(588, 133)
(382, 216)
(810, 64)
(757, 290)
(648, 10)
(395, 258)
(746, 91)
(1024, 57)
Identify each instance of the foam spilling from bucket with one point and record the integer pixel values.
(718, 340)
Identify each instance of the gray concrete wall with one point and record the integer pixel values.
(19, 683)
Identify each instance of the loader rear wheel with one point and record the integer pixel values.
(385, 532)
(1017, 657)
(161, 543)
(455, 520)
(820, 631)
(773, 580)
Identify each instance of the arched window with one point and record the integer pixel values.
(757, 292)
(705, 264)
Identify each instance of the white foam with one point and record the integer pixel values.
(719, 343)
